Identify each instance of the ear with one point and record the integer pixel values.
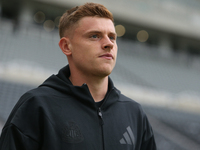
(64, 44)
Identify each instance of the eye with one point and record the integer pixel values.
(112, 38)
(94, 36)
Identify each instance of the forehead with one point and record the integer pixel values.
(95, 23)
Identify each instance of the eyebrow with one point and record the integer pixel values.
(96, 31)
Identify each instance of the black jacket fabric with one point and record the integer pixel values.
(60, 116)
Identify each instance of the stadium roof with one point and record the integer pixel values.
(173, 16)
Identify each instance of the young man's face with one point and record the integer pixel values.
(93, 46)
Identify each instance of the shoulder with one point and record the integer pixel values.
(29, 104)
(28, 114)
(131, 105)
(39, 94)
(32, 95)
(129, 101)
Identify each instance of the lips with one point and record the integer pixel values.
(107, 56)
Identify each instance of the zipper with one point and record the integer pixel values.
(101, 118)
(101, 124)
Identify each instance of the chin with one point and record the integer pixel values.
(104, 72)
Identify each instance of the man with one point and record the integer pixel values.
(79, 108)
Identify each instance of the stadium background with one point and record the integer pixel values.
(158, 59)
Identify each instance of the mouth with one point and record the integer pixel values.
(107, 56)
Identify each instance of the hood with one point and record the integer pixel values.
(63, 85)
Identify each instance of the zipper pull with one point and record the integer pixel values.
(101, 116)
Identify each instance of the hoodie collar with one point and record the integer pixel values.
(61, 83)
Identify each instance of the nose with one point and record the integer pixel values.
(107, 43)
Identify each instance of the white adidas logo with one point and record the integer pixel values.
(128, 137)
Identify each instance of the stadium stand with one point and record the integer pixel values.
(167, 86)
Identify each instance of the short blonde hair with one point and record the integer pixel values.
(72, 16)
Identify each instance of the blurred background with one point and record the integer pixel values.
(158, 59)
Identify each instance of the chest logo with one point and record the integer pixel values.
(128, 137)
(71, 133)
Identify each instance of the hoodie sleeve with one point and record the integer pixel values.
(148, 141)
(13, 139)
(21, 131)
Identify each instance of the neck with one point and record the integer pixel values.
(98, 86)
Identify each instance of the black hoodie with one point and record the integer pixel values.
(60, 116)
